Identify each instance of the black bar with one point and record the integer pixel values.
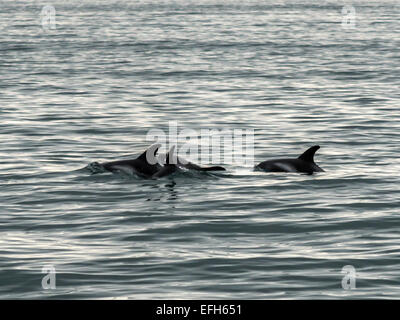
(195, 309)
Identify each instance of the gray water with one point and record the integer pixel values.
(92, 88)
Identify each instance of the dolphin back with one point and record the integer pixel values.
(214, 168)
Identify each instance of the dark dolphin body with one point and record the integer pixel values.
(174, 163)
(169, 167)
(192, 166)
(140, 166)
(183, 163)
(305, 163)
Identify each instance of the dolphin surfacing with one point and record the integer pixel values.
(169, 167)
(304, 163)
(145, 165)
(182, 163)
(192, 166)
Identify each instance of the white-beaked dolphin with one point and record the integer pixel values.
(304, 163)
(146, 165)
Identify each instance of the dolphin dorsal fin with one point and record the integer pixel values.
(170, 155)
(309, 154)
(150, 152)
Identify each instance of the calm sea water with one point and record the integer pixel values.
(92, 88)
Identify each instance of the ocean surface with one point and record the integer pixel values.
(90, 84)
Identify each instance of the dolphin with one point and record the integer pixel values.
(174, 163)
(185, 164)
(140, 166)
(305, 163)
(169, 167)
